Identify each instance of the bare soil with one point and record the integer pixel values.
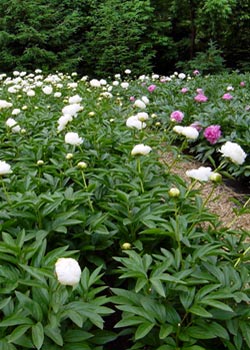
(225, 201)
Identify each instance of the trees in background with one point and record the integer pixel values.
(102, 37)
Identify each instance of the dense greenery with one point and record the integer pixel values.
(99, 37)
(84, 174)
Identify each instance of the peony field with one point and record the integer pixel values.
(102, 245)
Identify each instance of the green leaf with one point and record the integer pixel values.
(75, 336)
(17, 333)
(165, 330)
(143, 330)
(37, 335)
(15, 320)
(157, 285)
(4, 302)
(200, 311)
(187, 297)
(54, 334)
(5, 346)
(217, 304)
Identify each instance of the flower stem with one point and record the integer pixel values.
(5, 191)
(140, 174)
(86, 188)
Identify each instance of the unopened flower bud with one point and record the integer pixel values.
(174, 192)
(82, 165)
(216, 177)
(40, 162)
(126, 246)
(69, 156)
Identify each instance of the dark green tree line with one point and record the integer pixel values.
(102, 37)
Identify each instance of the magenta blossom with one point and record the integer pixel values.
(196, 72)
(212, 133)
(196, 125)
(242, 83)
(200, 98)
(132, 98)
(151, 88)
(227, 96)
(200, 91)
(176, 116)
(184, 90)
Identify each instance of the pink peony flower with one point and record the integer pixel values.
(227, 96)
(184, 90)
(200, 98)
(242, 83)
(196, 72)
(132, 98)
(212, 133)
(176, 116)
(151, 88)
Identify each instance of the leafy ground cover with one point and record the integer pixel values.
(102, 241)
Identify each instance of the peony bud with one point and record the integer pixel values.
(126, 246)
(174, 192)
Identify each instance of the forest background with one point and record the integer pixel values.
(103, 37)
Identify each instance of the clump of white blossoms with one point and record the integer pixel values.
(72, 109)
(5, 104)
(75, 99)
(187, 131)
(141, 149)
(68, 271)
(47, 90)
(140, 104)
(234, 152)
(73, 138)
(200, 174)
(134, 122)
(5, 168)
(12, 124)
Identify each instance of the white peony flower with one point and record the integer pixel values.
(145, 99)
(68, 271)
(190, 132)
(75, 99)
(72, 109)
(95, 83)
(63, 121)
(47, 90)
(4, 168)
(134, 122)
(181, 76)
(5, 104)
(139, 104)
(178, 129)
(16, 111)
(73, 138)
(11, 123)
(141, 149)
(142, 116)
(200, 174)
(124, 85)
(234, 152)
(30, 93)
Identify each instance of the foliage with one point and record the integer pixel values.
(97, 37)
(159, 270)
(209, 62)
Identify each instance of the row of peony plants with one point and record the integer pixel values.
(102, 245)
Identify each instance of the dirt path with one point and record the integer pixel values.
(224, 199)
